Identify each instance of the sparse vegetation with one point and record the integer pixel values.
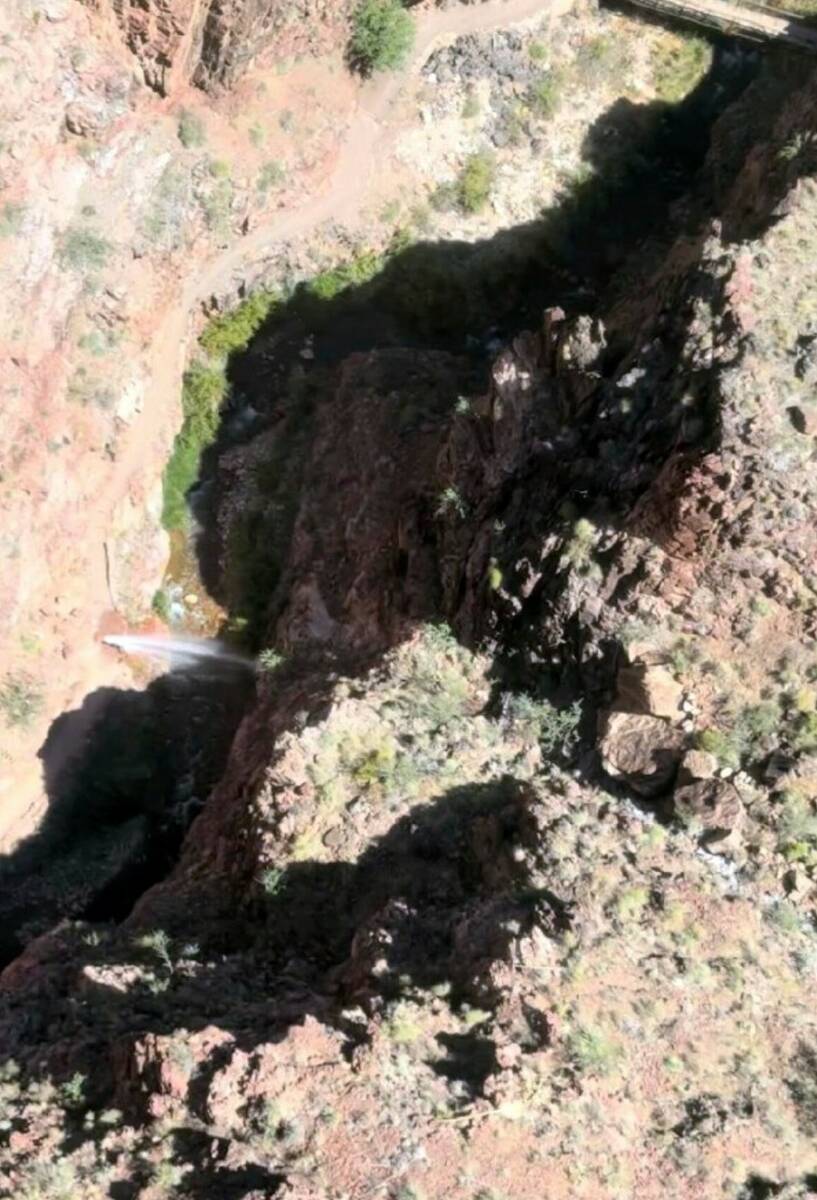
(544, 95)
(272, 880)
(203, 392)
(83, 250)
(450, 501)
(382, 36)
(356, 271)
(161, 605)
(679, 64)
(579, 546)
(190, 130)
(20, 701)
(233, 330)
(272, 175)
(217, 204)
(556, 729)
(593, 1053)
(470, 108)
(475, 182)
(11, 219)
(269, 660)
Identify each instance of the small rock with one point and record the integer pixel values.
(191, 598)
(81, 120)
(697, 764)
(333, 838)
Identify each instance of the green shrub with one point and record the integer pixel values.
(544, 94)
(450, 501)
(271, 880)
(11, 219)
(20, 702)
(804, 737)
(271, 175)
(233, 330)
(724, 745)
(82, 249)
(190, 130)
(678, 65)
(161, 605)
(470, 107)
(269, 660)
(556, 729)
(357, 271)
(476, 181)
(593, 1053)
(203, 391)
(382, 36)
(578, 549)
(217, 205)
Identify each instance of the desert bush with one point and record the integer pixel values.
(20, 701)
(556, 729)
(451, 501)
(217, 204)
(593, 1053)
(544, 94)
(82, 249)
(679, 63)
(476, 181)
(271, 175)
(470, 107)
(269, 660)
(190, 130)
(382, 36)
(11, 219)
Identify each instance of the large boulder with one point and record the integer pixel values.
(714, 804)
(640, 749)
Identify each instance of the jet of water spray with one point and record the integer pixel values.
(178, 652)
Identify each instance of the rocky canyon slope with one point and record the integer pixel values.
(506, 890)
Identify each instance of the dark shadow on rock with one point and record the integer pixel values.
(124, 774)
(436, 901)
(470, 1060)
(461, 299)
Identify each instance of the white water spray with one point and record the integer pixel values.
(178, 652)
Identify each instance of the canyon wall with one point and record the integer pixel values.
(212, 42)
(526, 908)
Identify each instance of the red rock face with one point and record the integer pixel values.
(211, 42)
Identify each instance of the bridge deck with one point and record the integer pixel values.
(754, 21)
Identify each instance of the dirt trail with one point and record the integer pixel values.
(363, 149)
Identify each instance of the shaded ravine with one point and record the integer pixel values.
(154, 755)
(343, 194)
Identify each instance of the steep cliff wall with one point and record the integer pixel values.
(212, 42)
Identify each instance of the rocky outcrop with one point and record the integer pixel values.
(212, 42)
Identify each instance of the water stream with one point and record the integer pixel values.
(178, 651)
